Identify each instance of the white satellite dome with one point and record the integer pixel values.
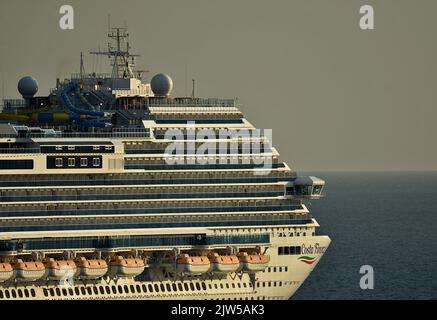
(162, 85)
(28, 87)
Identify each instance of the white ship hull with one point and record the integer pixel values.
(279, 281)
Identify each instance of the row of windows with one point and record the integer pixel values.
(71, 162)
(204, 166)
(77, 149)
(117, 196)
(84, 182)
(289, 250)
(74, 162)
(17, 293)
(132, 241)
(17, 212)
(276, 269)
(269, 284)
(99, 226)
(131, 289)
(144, 288)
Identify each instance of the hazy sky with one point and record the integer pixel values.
(336, 97)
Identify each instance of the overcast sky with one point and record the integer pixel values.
(336, 97)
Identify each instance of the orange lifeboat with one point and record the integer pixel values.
(6, 271)
(28, 270)
(90, 269)
(223, 264)
(192, 265)
(126, 267)
(253, 262)
(59, 269)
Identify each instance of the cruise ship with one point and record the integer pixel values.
(112, 188)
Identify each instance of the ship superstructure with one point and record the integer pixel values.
(107, 192)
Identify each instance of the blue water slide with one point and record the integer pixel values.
(69, 104)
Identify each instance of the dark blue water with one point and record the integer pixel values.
(386, 220)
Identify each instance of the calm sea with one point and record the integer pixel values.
(386, 220)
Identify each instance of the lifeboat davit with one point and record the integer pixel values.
(192, 265)
(28, 270)
(59, 269)
(90, 269)
(253, 262)
(223, 264)
(6, 272)
(126, 267)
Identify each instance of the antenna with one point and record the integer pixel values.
(192, 93)
(82, 68)
(3, 87)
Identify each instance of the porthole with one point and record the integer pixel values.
(168, 287)
(186, 286)
(192, 286)
(175, 287)
(76, 291)
(26, 293)
(102, 290)
(58, 291)
(44, 291)
(114, 289)
(180, 286)
(7, 294)
(132, 288)
(197, 285)
(20, 293)
(156, 287)
(144, 288)
(126, 289)
(120, 289)
(203, 286)
(14, 294)
(52, 292)
(64, 292)
(96, 291)
(89, 290)
(150, 288)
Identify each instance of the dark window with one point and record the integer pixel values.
(298, 250)
(16, 164)
(287, 250)
(83, 162)
(58, 162)
(96, 162)
(292, 250)
(280, 251)
(71, 162)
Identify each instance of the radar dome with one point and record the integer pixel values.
(27, 86)
(161, 85)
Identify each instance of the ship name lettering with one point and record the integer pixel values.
(316, 249)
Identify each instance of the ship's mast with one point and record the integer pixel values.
(122, 61)
(82, 67)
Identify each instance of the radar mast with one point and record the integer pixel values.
(122, 61)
